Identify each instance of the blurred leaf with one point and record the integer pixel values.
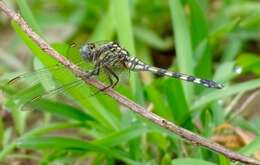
(4, 152)
(1, 133)
(232, 49)
(37, 131)
(62, 143)
(6, 137)
(227, 91)
(176, 100)
(251, 147)
(184, 161)
(243, 9)
(166, 160)
(105, 27)
(223, 160)
(159, 139)
(244, 124)
(204, 64)
(224, 30)
(229, 69)
(44, 130)
(152, 39)
(123, 24)
(159, 106)
(199, 27)
(208, 126)
(183, 44)
(122, 136)
(244, 34)
(249, 62)
(61, 109)
(28, 16)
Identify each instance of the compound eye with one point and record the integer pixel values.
(91, 46)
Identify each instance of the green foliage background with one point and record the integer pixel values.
(212, 39)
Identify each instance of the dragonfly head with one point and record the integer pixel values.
(88, 51)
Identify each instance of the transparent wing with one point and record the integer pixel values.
(31, 86)
(30, 92)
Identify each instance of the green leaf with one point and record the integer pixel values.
(223, 160)
(28, 16)
(152, 39)
(159, 105)
(223, 30)
(123, 24)
(184, 161)
(36, 132)
(122, 136)
(199, 27)
(101, 33)
(183, 44)
(249, 62)
(177, 102)
(252, 147)
(61, 109)
(65, 143)
(227, 91)
(232, 49)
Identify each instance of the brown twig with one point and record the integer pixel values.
(186, 134)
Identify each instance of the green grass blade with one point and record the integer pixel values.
(177, 102)
(152, 39)
(228, 91)
(122, 136)
(251, 147)
(159, 105)
(38, 131)
(199, 27)
(62, 143)
(28, 16)
(123, 24)
(101, 33)
(192, 161)
(61, 109)
(183, 44)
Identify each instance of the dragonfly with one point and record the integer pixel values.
(111, 56)
(108, 59)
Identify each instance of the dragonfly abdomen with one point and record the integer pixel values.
(185, 77)
(134, 63)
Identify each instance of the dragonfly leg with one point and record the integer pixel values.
(113, 74)
(94, 72)
(110, 85)
(105, 88)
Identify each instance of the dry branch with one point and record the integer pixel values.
(186, 134)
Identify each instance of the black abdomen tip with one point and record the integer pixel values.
(211, 84)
